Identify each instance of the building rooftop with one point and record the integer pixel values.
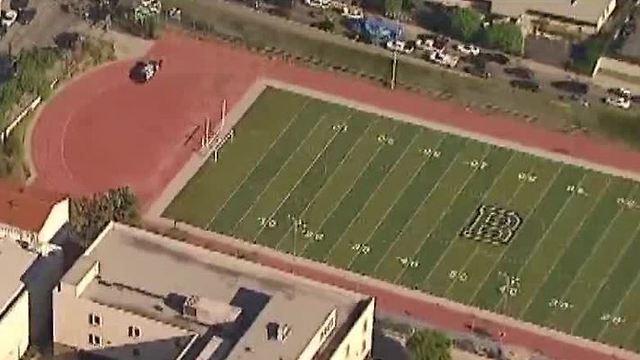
(229, 290)
(14, 262)
(26, 209)
(588, 11)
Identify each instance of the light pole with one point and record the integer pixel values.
(394, 66)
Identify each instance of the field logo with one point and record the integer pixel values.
(493, 224)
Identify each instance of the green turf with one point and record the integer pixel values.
(390, 200)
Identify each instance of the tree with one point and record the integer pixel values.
(392, 8)
(429, 345)
(89, 215)
(465, 23)
(586, 55)
(506, 37)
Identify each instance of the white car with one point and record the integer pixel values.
(352, 13)
(621, 92)
(440, 58)
(468, 49)
(619, 102)
(399, 46)
(425, 44)
(321, 4)
(8, 18)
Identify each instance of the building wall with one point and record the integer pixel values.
(320, 337)
(58, 216)
(71, 327)
(14, 329)
(356, 345)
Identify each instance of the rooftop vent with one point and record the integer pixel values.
(278, 332)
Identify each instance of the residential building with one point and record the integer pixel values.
(31, 217)
(139, 295)
(14, 299)
(30, 263)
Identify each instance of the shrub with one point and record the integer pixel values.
(465, 23)
(506, 37)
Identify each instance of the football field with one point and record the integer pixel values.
(540, 240)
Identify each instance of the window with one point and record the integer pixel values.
(328, 328)
(348, 350)
(134, 332)
(95, 320)
(364, 346)
(95, 340)
(366, 326)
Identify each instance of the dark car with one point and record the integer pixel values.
(528, 85)
(477, 71)
(143, 71)
(572, 86)
(26, 16)
(497, 58)
(440, 42)
(519, 72)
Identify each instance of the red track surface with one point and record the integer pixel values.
(103, 131)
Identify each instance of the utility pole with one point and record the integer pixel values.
(394, 66)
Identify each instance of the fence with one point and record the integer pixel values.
(23, 114)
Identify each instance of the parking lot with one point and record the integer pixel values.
(47, 21)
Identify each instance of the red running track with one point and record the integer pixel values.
(102, 131)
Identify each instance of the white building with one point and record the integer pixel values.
(14, 299)
(31, 217)
(138, 295)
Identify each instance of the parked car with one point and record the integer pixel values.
(529, 85)
(400, 46)
(619, 102)
(441, 58)
(321, 4)
(26, 16)
(468, 49)
(519, 72)
(424, 43)
(477, 71)
(620, 92)
(497, 58)
(8, 18)
(441, 42)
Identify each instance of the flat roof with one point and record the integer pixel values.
(588, 11)
(14, 262)
(151, 267)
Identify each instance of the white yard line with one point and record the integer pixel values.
(549, 227)
(306, 171)
(442, 214)
(364, 168)
(372, 196)
(484, 195)
(604, 279)
(572, 238)
(478, 246)
(330, 177)
(428, 196)
(386, 213)
(637, 327)
(257, 163)
(533, 208)
(270, 182)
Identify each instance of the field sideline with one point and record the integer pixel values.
(554, 244)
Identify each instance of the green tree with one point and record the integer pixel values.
(465, 23)
(393, 8)
(429, 345)
(506, 37)
(586, 56)
(89, 215)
